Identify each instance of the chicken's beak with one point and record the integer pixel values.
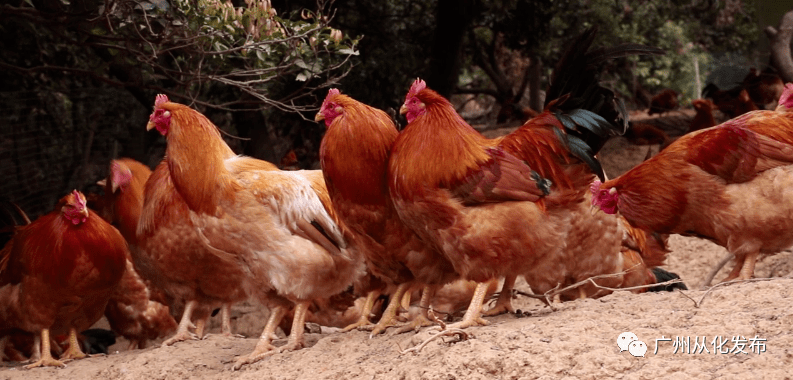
(319, 117)
(84, 212)
(102, 182)
(403, 110)
(150, 126)
(113, 187)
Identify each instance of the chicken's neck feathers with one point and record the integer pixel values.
(354, 155)
(195, 156)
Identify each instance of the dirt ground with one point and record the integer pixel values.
(749, 321)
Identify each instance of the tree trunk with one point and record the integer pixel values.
(452, 19)
(535, 76)
(780, 47)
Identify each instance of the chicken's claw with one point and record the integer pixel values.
(46, 362)
(414, 325)
(478, 321)
(361, 324)
(180, 337)
(263, 349)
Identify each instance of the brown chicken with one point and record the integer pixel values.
(57, 274)
(278, 226)
(135, 311)
(354, 158)
(645, 134)
(733, 102)
(663, 102)
(514, 205)
(764, 88)
(704, 116)
(729, 184)
(174, 257)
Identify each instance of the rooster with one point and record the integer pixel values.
(277, 226)
(729, 184)
(354, 157)
(135, 311)
(57, 274)
(514, 205)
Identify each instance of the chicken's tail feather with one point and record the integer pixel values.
(662, 275)
(590, 113)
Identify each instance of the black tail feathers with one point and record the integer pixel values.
(590, 113)
(662, 275)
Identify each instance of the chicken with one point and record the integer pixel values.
(354, 157)
(135, 311)
(764, 88)
(515, 205)
(645, 134)
(174, 257)
(57, 274)
(704, 115)
(733, 102)
(663, 102)
(279, 227)
(728, 184)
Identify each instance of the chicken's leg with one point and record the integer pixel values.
(472, 316)
(296, 340)
(46, 359)
(422, 319)
(3, 342)
(389, 315)
(737, 269)
(225, 315)
(183, 333)
(366, 310)
(73, 352)
(406, 296)
(264, 347)
(504, 301)
(750, 260)
(200, 327)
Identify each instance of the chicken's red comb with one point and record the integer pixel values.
(786, 99)
(332, 92)
(120, 173)
(417, 86)
(160, 100)
(79, 199)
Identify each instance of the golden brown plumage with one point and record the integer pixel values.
(57, 274)
(271, 223)
(354, 157)
(135, 311)
(729, 184)
(516, 205)
(704, 115)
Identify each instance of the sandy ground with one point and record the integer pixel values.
(578, 340)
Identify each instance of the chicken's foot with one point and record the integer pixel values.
(504, 300)
(183, 333)
(225, 327)
(389, 317)
(46, 359)
(73, 352)
(363, 322)
(264, 347)
(472, 316)
(296, 340)
(421, 320)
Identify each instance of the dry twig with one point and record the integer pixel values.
(547, 296)
(697, 304)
